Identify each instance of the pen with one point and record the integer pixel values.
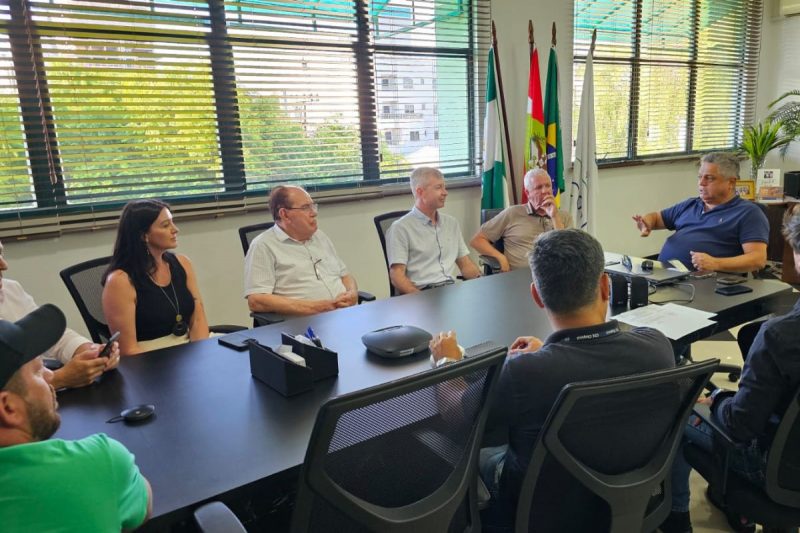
(313, 337)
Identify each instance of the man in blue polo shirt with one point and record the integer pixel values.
(717, 230)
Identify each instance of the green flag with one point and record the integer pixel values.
(493, 183)
(552, 124)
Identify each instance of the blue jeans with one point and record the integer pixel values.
(748, 462)
(490, 467)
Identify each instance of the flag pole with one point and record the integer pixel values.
(505, 117)
(554, 33)
(530, 36)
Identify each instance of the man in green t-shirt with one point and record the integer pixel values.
(48, 484)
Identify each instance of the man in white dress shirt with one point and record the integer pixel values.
(293, 268)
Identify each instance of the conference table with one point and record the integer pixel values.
(217, 430)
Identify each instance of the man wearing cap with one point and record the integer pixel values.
(48, 484)
(81, 366)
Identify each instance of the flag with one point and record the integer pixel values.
(555, 158)
(535, 151)
(583, 191)
(493, 180)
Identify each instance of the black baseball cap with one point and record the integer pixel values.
(28, 337)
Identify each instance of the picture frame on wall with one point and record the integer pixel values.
(746, 189)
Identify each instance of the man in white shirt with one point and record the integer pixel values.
(424, 245)
(78, 354)
(293, 268)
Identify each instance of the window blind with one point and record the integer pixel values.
(671, 77)
(213, 102)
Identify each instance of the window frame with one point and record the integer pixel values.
(51, 198)
(636, 61)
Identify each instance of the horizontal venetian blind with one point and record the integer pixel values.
(16, 183)
(297, 90)
(423, 78)
(309, 113)
(672, 77)
(131, 91)
(212, 102)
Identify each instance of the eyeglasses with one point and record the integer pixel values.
(316, 267)
(314, 206)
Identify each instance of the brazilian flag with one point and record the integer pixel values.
(552, 121)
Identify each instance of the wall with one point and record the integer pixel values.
(623, 192)
(214, 248)
(779, 72)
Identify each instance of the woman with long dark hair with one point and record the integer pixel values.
(150, 295)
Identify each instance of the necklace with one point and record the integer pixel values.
(180, 328)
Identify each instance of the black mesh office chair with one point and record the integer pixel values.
(606, 450)
(382, 223)
(398, 457)
(777, 504)
(763, 273)
(246, 236)
(248, 233)
(490, 264)
(83, 282)
(744, 339)
(746, 336)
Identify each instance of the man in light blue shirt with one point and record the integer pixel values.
(424, 245)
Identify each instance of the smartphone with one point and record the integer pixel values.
(236, 341)
(106, 351)
(731, 280)
(730, 290)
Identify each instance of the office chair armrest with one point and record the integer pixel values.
(216, 517)
(225, 328)
(721, 434)
(482, 495)
(364, 296)
(714, 465)
(491, 262)
(265, 319)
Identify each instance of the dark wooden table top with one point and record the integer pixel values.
(216, 428)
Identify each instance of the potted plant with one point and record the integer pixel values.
(789, 115)
(758, 140)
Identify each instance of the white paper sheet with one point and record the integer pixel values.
(673, 320)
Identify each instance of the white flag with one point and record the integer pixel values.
(583, 189)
